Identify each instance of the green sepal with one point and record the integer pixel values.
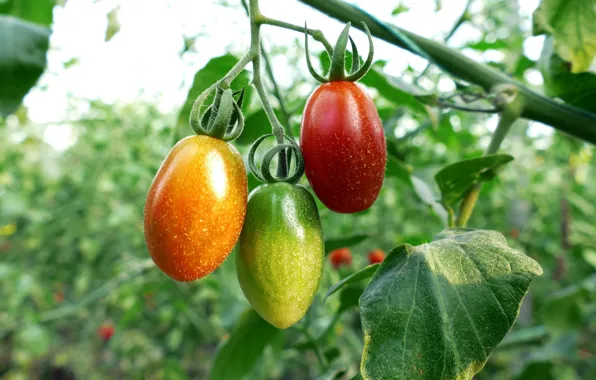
(337, 71)
(223, 107)
(357, 75)
(263, 173)
(311, 69)
(355, 57)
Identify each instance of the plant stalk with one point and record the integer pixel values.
(512, 109)
(255, 51)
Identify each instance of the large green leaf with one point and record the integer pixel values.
(436, 311)
(23, 48)
(455, 179)
(576, 89)
(37, 11)
(572, 23)
(236, 358)
(214, 70)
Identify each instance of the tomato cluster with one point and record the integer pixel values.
(198, 209)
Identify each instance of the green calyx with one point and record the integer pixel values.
(263, 173)
(223, 119)
(337, 71)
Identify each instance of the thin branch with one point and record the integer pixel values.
(315, 33)
(276, 92)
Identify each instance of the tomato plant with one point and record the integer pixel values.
(280, 252)
(195, 207)
(420, 152)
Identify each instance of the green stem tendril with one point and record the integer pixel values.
(337, 71)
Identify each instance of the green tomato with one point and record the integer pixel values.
(281, 253)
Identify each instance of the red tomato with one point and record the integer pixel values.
(106, 331)
(196, 207)
(376, 256)
(341, 256)
(343, 145)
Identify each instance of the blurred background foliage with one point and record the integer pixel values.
(73, 259)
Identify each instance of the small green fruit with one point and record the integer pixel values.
(281, 253)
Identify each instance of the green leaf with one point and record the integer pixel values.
(113, 24)
(576, 89)
(542, 369)
(23, 48)
(427, 195)
(173, 370)
(401, 8)
(514, 339)
(349, 297)
(214, 70)
(436, 311)
(485, 45)
(455, 179)
(36, 11)
(362, 274)
(238, 355)
(34, 339)
(572, 23)
(349, 241)
(563, 311)
(590, 256)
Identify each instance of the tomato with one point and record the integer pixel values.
(195, 207)
(280, 253)
(340, 256)
(106, 331)
(376, 256)
(343, 145)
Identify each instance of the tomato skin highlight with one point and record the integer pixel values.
(195, 207)
(280, 253)
(344, 148)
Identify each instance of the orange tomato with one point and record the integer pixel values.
(195, 207)
(376, 256)
(106, 331)
(340, 256)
